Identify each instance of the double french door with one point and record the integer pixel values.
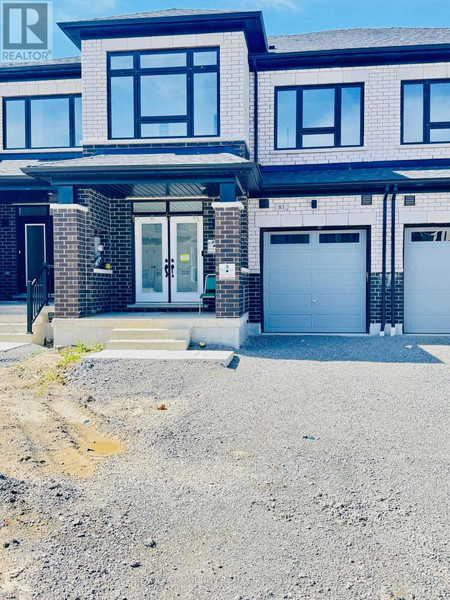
(169, 259)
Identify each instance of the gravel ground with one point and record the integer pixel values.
(19, 354)
(222, 497)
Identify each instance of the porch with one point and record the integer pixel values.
(138, 233)
(151, 330)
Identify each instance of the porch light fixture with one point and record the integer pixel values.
(264, 203)
(313, 203)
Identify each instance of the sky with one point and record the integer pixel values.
(280, 16)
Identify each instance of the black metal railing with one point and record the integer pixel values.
(39, 291)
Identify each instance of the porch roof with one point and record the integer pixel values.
(357, 177)
(12, 176)
(130, 171)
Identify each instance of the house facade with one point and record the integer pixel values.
(310, 174)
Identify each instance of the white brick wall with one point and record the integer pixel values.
(35, 88)
(234, 81)
(381, 114)
(338, 211)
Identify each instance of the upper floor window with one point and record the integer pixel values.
(160, 94)
(42, 122)
(326, 116)
(425, 112)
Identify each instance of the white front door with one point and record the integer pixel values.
(186, 262)
(169, 261)
(152, 259)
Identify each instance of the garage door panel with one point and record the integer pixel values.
(425, 323)
(427, 280)
(346, 282)
(317, 286)
(289, 281)
(289, 322)
(288, 260)
(344, 303)
(429, 302)
(290, 302)
(339, 322)
(347, 260)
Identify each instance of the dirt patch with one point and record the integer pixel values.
(47, 428)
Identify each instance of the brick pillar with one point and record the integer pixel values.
(230, 234)
(70, 259)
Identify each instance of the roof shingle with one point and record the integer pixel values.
(346, 39)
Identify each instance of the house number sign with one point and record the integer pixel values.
(227, 271)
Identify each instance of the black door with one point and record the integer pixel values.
(35, 246)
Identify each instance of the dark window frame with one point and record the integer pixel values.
(28, 100)
(336, 130)
(136, 73)
(428, 125)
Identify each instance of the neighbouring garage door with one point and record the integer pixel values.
(427, 280)
(315, 281)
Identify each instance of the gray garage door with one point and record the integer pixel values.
(427, 280)
(315, 281)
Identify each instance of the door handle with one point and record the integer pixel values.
(166, 269)
(172, 266)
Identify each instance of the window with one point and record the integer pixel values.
(426, 112)
(164, 94)
(431, 236)
(339, 238)
(327, 116)
(42, 122)
(33, 211)
(289, 238)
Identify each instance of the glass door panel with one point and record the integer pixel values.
(152, 270)
(186, 263)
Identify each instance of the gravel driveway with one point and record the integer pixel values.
(313, 467)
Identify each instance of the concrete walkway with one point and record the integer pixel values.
(5, 346)
(222, 357)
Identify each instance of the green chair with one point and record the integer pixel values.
(209, 292)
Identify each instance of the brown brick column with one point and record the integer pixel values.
(231, 244)
(70, 259)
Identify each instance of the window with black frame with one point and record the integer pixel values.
(164, 94)
(426, 112)
(326, 116)
(42, 122)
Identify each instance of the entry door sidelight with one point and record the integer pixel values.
(152, 259)
(186, 260)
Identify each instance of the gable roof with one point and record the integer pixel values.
(346, 39)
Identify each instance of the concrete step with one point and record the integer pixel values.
(221, 357)
(145, 344)
(14, 327)
(150, 334)
(15, 319)
(25, 338)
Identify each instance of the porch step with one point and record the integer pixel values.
(147, 333)
(25, 338)
(12, 326)
(147, 344)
